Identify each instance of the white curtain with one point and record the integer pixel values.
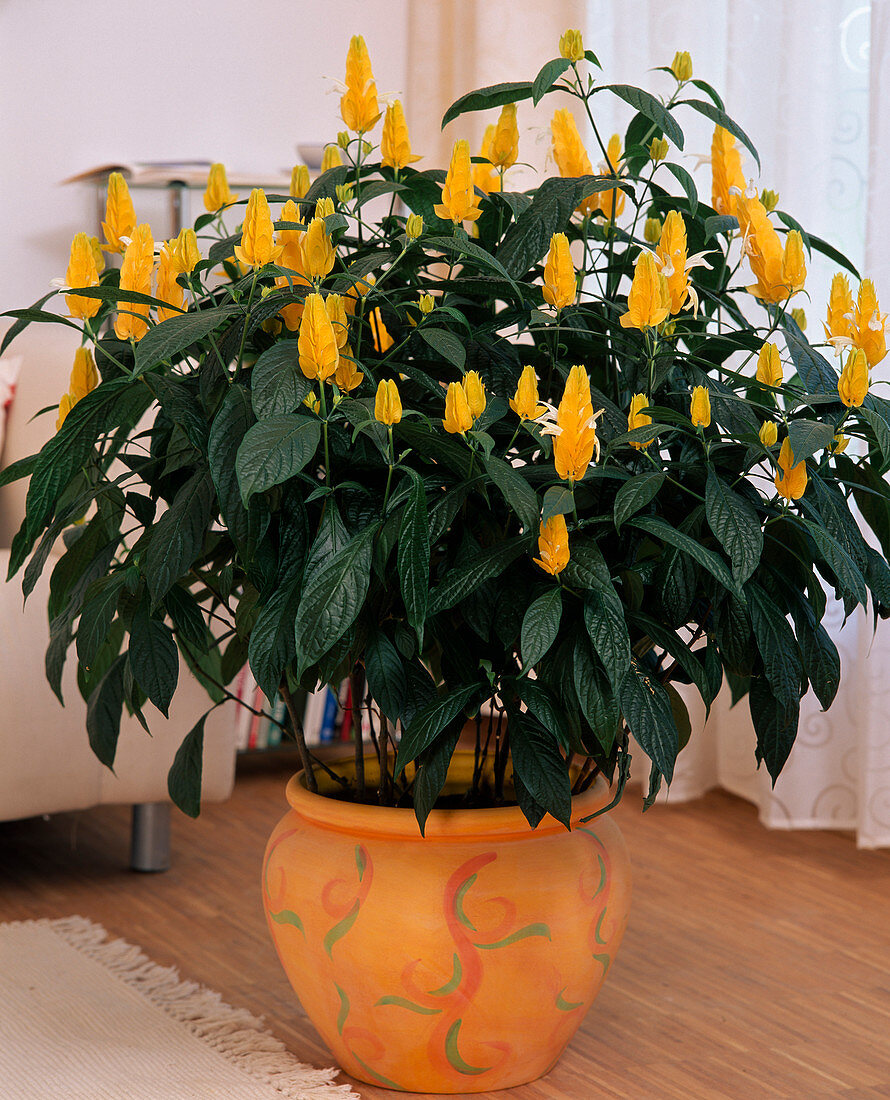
(809, 81)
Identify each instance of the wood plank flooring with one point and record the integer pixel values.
(756, 965)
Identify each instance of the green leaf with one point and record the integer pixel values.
(547, 77)
(833, 254)
(815, 371)
(482, 99)
(173, 336)
(540, 625)
(332, 597)
(775, 725)
(446, 344)
(272, 647)
(721, 118)
(686, 182)
(606, 625)
(185, 611)
(587, 567)
(273, 450)
(99, 607)
(558, 501)
(808, 436)
(15, 471)
(429, 721)
(777, 645)
(431, 773)
(635, 494)
(177, 539)
(277, 385)
(464, 579)
(736, 524)
(540, 766)
(184, 776)
(516, 491)
(413, 556)
(660, 529)
(672, 643)
(387, 680)
(647, 711)
(550, 711)
(647, 105)
(720, 223)
(595, 696)
(104, 711)
(848, 574)
(229, 427)
(154, 659)
(880, 429)
(821, 660)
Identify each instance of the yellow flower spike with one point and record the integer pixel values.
(840, 443)
(791, 478)
(358, 106)
(727, 176)
(65, 406)
(652, 228)
(395, 143)
(336, 310)
(414, 226)
(569, 153)
(525, 402)
(575, 441)
(611, 203)
(553, 545)
(681, 66)
(120, 217)
(81, 272)
(169, 290)
(331, 158)
(257, 245)
(852, 385)
(571, 46)
(136, 272)
(184, 251)
(459, 202)
(383, 341)
(217, 194)
(458, 418)
(768, 433)
(474, 388)
(869, 324)
(560, 284)
(649, 300)
(769, 366)
(484, 175)
(299, 181)
(317, 250)
(505, 141)
(700, 407)
(324, 207)
(316, 343)
(672, 253)
(426, 303)
(98, 254)
(838, 322)
(291, 240)
(770, 199)
(636, 418)
(347, 376)
(794, 267)
(84, 376)
(387, 403)
(658, 149)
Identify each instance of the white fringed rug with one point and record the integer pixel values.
(83, 1017)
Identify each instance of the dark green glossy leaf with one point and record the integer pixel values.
(185, 774)
(413, 555)
(446, 344)
(516, 490)
(777, 645)
(647, 711)
(721, 118)
(736, 524)
(550, 72)
(172, 337)
(635, 494)
(431, 773)
(541, 766)
(429, 721)
(482, 99)
(808, 436)
(277, 385)
(385, 671)
(177, 539)
(464, 579)
(104, 711)
(540, 626)
(154, 658)
(657, 527)
(647, 105)
(273, 450)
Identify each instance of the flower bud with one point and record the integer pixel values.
(387, 403)
(332, 158)
(299, 181)
(571, 46)
(769, 199)
(658, 149)
(343, 139)
(458, 418)
(324, 207)
(839, 445)
(427, 303)
(343, 191)
(652, 230)
(474, 389)
(700, 407)
(799, 318)
(525, 402)
(681, 66)
(217, 194)
(82, 272)
(318, 252)
(413, 226)
(769, 433)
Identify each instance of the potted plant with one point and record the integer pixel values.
(523, 460)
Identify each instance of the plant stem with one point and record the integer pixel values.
(246, 321)
(356, 691)
(299, 736)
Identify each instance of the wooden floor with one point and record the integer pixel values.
(756, 964)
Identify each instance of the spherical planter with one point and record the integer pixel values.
(461, 961)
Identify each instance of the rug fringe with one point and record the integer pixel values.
(233, 1032)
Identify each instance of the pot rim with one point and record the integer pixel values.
(505, 822)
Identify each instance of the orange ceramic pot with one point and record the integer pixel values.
(457, 962)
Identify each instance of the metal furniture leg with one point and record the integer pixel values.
(150, 837)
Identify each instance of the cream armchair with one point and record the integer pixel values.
(47, 764)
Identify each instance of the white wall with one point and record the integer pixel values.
(108, 80)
